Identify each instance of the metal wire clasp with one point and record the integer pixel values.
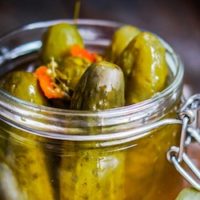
(177, 155)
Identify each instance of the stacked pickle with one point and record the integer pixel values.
(132, 70)
(28, 160)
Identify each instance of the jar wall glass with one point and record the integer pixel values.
(113, 154)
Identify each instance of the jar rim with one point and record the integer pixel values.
(112, 113)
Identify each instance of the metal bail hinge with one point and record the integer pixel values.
(176, 155)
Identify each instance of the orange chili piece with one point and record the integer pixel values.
(47, 84)
(77, 51)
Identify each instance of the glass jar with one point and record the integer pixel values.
(117, 154)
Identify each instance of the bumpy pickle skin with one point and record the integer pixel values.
(93, 175)
(27, 158)
(23, 85)
(101, 87)
(58, 40)
(88, 172)
(72, 68)
(144, 65)
(120, 40)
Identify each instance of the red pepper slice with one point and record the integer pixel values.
(47, 84)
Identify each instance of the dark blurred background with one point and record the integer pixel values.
(177, 21)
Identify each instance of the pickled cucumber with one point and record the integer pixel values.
(120, 40)
(144, 65)
(58, 40)
(23, 85)
(72, 68)
(88, 172)
(27, 158)
(101, 87)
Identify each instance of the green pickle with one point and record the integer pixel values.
(120, 41)
(28, 160)
(23, 85)
(86, 174)
(145, 68)
(58, 40)
(72, 68)
(101, 87)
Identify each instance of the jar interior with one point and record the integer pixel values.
(20, 50)
(58, 152)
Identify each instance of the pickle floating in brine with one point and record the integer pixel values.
(24, 154)
(88, 172)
